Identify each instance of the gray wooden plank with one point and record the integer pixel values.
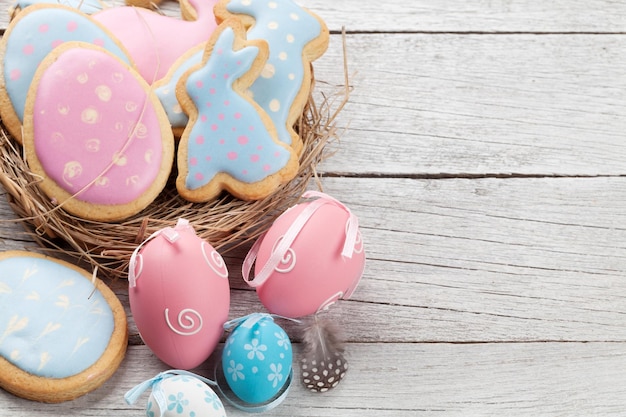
(473, 15)
(481, 104)
(490, 259)
(14, 234)
(597, 16)
(527, 379)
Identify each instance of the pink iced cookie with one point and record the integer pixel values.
(155, 41)
(96, 134)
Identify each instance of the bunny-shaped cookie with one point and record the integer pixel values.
(230, 143)
(295, 36)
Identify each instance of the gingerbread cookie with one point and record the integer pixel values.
(230, 143)
(96, 134)
(63, 333)
(296, 37)
(156, 41)
(35, 32)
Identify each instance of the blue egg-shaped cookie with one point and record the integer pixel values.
(63, 333)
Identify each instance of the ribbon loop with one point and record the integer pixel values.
(352, 226)
(278, 254)
(170, 234)
(251, 319)
(248, 320)
(134, 393)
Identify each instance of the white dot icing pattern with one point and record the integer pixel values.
(35, 35)
(287, 28)
(229, 135)
(49, 326)
(106, 130)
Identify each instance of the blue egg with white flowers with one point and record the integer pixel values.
(257, 359)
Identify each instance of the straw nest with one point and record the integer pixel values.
(226, 222)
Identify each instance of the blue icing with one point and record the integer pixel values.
(287, 28)
(229, 134)
(35, 34)
(167, 93)
(256, 359)
(85, 6)
(48, 325)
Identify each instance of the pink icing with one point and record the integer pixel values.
(155, 41)
(94, 131)
(310, 257)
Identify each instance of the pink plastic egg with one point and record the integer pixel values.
(309, 258)
(179, 295)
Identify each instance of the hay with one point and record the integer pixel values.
(226, 222)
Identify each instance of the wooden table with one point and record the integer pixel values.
(484, 153)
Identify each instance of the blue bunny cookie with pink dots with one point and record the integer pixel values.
(295, 36)
(229, 143)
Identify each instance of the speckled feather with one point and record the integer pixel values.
(323, 365)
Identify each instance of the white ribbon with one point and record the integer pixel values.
(134, 393)
(169, 233)
(251, 319)
(292, 232)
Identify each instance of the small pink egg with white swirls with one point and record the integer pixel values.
(179, 295)
(311, 256)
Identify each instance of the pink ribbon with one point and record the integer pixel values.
(292, 232)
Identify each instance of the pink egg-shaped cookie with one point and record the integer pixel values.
(96, 134)
(309, 258)
(179, 295)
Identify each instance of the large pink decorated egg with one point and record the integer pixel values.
(311, 257)
(179, 295)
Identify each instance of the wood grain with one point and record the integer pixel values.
(527, 379)
(505, 16)
(521, 259)
(14, 233)
(454, 105)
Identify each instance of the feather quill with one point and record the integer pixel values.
(324, 364)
